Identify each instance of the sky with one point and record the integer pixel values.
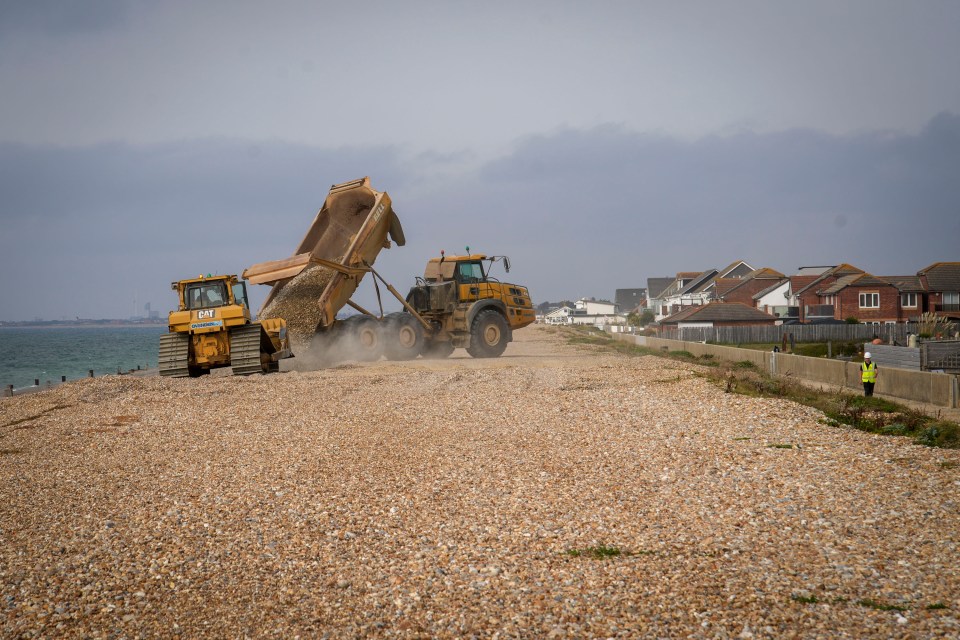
(597, 144)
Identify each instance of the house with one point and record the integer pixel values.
(807, 298)
(862, 296)
(774, 300)
(743, 289)
(560, 315)
(693, 288)
(941, 281)
(913, 297)
(655, 289)
(687, 289)
(717, 314)
(596, 312)
(630, 300)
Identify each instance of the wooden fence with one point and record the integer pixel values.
(801, 333)
(940, 356)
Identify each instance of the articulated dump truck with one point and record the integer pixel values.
(456, 303)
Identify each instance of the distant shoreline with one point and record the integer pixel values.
(107, 324)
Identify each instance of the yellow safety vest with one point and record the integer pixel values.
(868, 372)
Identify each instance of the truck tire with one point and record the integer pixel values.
(365, 342)
(437, 350)
(403, 337)
(489, 334)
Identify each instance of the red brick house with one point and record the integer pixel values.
(864, 297)
(941, 281)
(743, 289)
(808, 298)
(913, 297)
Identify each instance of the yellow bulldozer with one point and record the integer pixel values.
(213, 327)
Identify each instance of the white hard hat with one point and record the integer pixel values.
(866, 355)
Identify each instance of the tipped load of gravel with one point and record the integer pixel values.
(297, 303)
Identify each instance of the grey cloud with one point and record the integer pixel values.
(61, 17)
(581, 212)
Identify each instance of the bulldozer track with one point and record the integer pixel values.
(245, 350)
(174, 355)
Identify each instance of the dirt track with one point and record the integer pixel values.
(465, 497)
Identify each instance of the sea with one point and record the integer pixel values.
(47, 353)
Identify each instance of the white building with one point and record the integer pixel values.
(560, 315)
(595, 312)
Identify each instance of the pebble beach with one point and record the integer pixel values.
(556, 492)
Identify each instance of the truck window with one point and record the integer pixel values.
(469, 272)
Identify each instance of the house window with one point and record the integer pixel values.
(908, 300)
(951, 298)
(869, 300)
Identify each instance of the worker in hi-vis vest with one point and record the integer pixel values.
(868, 374)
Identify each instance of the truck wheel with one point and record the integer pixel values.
(437, 350)
(403, 337)
(365, 341)
(489, 335)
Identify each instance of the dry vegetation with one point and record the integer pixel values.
(558, 491)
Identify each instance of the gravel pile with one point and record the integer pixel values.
(297, 304)
(547, 493)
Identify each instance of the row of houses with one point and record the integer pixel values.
(740, 294)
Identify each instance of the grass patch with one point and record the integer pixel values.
(870, 603)
(780, 446)
(744, 364)
(602, 552)
(739, 439)
(805, 599)
(949, 464)
(936, 606)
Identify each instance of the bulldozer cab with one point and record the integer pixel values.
(205, 295)
(211, 293)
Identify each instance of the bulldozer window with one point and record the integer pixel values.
(203, 295)
(240, 293)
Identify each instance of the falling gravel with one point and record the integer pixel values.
(297, 303)
(552, 492)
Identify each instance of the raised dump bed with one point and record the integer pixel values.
(346, 236)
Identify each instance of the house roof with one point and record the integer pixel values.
(765, 272)
(906, 284)
(723, 285)
(681, 275)
(733, 266)
(700, 282)
(719, 312)
(942, 276)
(838, 271)
(854, 280)
(771, 288)
(799, 283)
(629, 298)
(656, 286)
(751, 279)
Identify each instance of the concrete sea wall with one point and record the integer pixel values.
(937, 389)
